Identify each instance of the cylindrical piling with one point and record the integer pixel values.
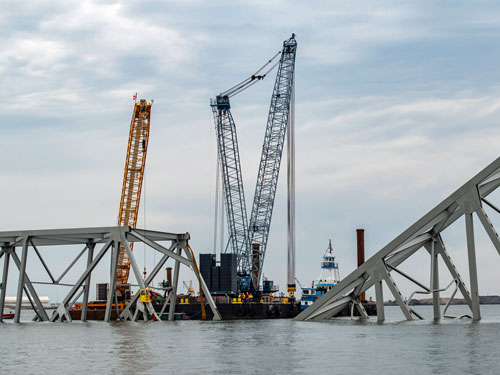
(169, 276)
(360, 234)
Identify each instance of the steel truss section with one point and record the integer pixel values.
(98, 241)
(425, 234)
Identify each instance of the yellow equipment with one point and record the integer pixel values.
(145, 295)
(132, 183)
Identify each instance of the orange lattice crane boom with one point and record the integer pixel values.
(132, 182)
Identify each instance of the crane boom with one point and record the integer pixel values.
(132, 182)
(272, 150)
(229, 157)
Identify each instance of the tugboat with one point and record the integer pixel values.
(328, 278)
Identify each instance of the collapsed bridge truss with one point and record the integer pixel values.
(467, 201)
(96, 242)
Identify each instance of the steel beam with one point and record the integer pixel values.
(112, 280)
(30, 300)
(395, 291)
(361, 308)
(22, 275)
(140, 281)
(62, 309)
(379, 298)
(71, 264)
(30, 286)
(328, 310)
(490, 204)
(160, 248)
(356, 293)
(408, 277)
(85, 305)
(78, 236)
(434, 283)
(173, 296)
(126, 314)
(43, 262)
(488, 227)
(4, 282)
(441, 249)
(206, 291)
(77, 296)
(338, 291)
(471, 252)
(415, 241)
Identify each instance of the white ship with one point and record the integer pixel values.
(328, 278)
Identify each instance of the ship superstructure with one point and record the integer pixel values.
(328, 278)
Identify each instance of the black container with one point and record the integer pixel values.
(215, 279)
(101, 292)
(207, 261)
(228, 268)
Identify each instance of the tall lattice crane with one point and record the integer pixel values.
(132, 181)
(242, 236)
(229, 157)
(270, 161)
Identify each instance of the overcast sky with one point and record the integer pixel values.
(397, 105)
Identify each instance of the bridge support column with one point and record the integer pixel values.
(471, 251)
(115, 252)
(4, 281)
(436, 300)
(20, 285)
(379, 298)
(90, 255)
(175, 281)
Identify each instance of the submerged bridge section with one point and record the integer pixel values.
(21, 247)
(424, 235)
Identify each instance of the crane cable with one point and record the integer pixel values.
(246, 83)
(254, 80)
(144, 148)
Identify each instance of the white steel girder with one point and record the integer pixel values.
(424, 233)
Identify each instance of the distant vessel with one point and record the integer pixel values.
(328, 278)
(10, 302)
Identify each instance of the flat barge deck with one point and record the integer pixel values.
(190, 309)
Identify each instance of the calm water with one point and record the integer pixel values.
(257, 347)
